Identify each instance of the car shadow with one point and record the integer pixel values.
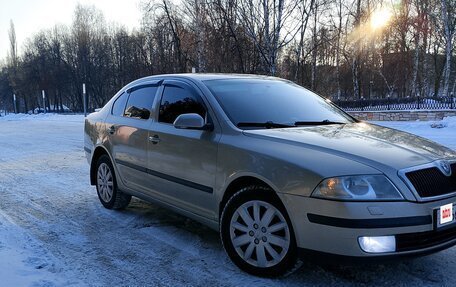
(429, 270)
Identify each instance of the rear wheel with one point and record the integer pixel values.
(108, 193)
(257, 234)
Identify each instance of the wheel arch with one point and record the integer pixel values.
(241, 182)
(99, 151)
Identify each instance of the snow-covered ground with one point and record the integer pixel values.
(54, 232)
(443, 132)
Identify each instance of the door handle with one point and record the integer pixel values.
(112, 130)
(155, 139)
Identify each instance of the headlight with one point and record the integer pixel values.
(360, 187)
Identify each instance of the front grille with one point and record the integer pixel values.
(420, 240)
(431, 181)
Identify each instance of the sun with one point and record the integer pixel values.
(380, 18)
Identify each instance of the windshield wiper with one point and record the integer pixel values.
(268, 125)
(316, 123)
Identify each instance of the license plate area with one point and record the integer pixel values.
(445, 215)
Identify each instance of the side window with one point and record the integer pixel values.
(140, 102)
(177, 101)
(118, 107)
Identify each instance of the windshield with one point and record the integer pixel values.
(270, 103)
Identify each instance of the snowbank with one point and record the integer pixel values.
(42, 117)
(442, 132)
(448, 122)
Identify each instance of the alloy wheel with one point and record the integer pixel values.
(105, 182)
(260, 234)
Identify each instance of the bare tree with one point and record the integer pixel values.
(448, 18)
(196, 12)
(322, 44)
(356, 56)
(13, 61)
(265, 21)
(13, 56)
(304, 12)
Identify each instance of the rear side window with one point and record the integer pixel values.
(140, 99)
(177, 101)
(118, 107)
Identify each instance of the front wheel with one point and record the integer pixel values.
(257, 234)
(108, 193)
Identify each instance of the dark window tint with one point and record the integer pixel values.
(177, 101)
(275, 101)
(118, 107)
(140, 100)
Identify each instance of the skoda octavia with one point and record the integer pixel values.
(278, 170)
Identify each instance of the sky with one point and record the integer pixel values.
(30, 16)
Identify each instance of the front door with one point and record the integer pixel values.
(183, 160)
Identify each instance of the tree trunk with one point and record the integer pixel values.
(339, 32)
(302, 30)
(267, 38)
(426, 66)
(314, 50)
(355, 73)
(413, 88)
(356, 57)
(448, 35)
(200, 30)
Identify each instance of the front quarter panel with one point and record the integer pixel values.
(286, 168)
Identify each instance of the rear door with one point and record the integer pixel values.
(129, 131)
(182, 160)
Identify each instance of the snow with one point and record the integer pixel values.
(22, 259)
(54, 232)
(443, 132)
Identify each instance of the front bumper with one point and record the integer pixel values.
(323, 257)
(333, 227)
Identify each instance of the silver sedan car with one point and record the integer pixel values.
(279, 171)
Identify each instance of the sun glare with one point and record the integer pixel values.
(380, 18)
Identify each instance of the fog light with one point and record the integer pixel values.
(377, 244)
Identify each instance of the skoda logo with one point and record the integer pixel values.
(445, 167)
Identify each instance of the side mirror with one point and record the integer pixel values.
(191, 122)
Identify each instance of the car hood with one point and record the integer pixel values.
(362, 142)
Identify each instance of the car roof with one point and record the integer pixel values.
(208, 76)
(198, 77)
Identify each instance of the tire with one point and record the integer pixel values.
(263, 244)
(108, 193)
